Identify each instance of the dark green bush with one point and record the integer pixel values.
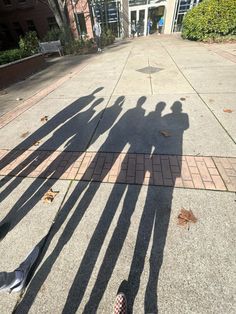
(74, 47)
(107, 37)
(11, 55)
(210, 19)
(87, 45)
(29, 43)
(28, 46)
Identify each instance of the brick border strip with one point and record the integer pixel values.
(207, 173)
(227, 169)
(33, 100)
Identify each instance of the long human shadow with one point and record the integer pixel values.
(36, 157)
(80, 124)
(90, 189)
(74, 135)
(126, 130)
(122, 227)
(28, 164)
(155, 217)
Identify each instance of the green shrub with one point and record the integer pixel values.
(74, 47)
(210, 19)
(80, 46)
(11, 55)
(85, 45)
(107, 37)
(29, 43)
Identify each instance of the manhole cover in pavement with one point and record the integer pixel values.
(149, 70)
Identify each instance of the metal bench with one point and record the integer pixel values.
(51, 46)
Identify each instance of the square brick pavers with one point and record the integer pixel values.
(210, 173)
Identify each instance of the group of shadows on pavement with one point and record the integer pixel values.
(71, 127)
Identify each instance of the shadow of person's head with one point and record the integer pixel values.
(119, 101)
(141, 101)
(97, 102)
(97, 90)
(176, 107)
(160, 107)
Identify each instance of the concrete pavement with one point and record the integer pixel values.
(119, 181)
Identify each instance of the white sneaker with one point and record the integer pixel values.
(23, 270)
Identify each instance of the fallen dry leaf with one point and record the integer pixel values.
(165, 133)
(25, 134)
(44, 119)
(186, 217)
(49, 196)
(182, 98)
(36, 143)
(228, 110)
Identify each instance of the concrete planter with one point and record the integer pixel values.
(18, 70)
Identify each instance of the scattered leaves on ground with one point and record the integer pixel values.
(228, 110)
(36, 143)
(185, 217)
(44, 119)
(165, 133)
(25, 134)
(49, 196)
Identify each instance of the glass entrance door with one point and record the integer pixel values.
(138, 17)
(141, 22)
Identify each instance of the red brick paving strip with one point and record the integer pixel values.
(227, 169)
(209, 173)
(30, 102)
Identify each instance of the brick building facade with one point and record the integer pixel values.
(20, 16)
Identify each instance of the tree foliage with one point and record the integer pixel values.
(210, 19)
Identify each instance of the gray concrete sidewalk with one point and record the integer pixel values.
(103, 233)
(55, 68)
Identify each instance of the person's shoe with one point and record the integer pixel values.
(120, 304)
(23, 270)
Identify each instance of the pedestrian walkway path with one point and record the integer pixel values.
(39, 94)
(210, 173)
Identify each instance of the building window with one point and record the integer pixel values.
(6, 40)
(108, 14)
(52, 23)
(82, 23)
(7, 2)
(182, 7)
